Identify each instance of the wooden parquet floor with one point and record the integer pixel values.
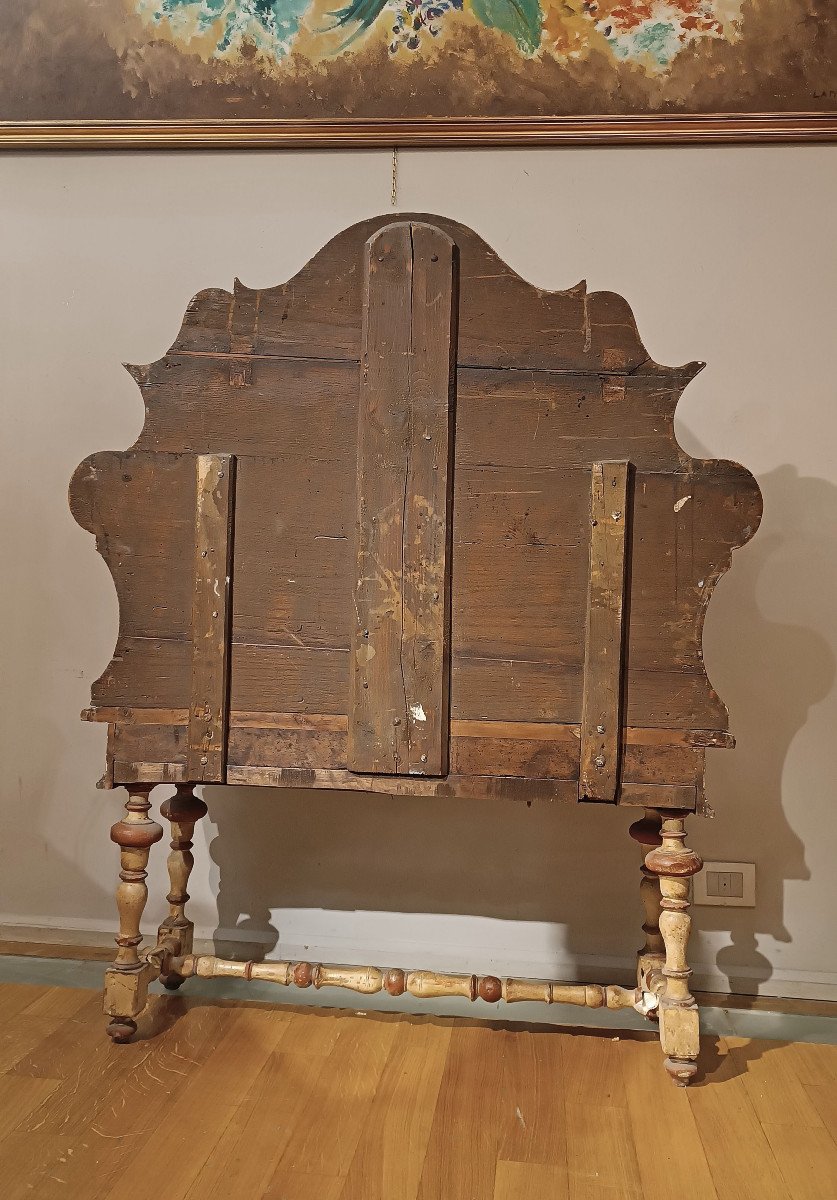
(246, 1102)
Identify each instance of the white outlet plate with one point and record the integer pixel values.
(748, 874)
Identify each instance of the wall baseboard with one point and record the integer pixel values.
(744, 980)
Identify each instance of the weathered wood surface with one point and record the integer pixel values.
(425, 985)
(547, 384)
(209, 698)
(548, 751)
(317, 314)
(399, 663)
(601, 712)
(517, 652)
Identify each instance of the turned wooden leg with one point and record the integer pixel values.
(651, 956)
(126, 980)
(183, 810)
(674, 864)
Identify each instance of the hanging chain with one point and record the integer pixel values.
(394, 193)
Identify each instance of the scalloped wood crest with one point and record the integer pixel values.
(429, 590)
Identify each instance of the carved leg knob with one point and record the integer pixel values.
(673, 863)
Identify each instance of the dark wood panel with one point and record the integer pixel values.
(399, 663)
(504, 320)
(542, 420)
(520, 574)
(601, 708)
(548, 384)
(326, 749)
(520, 418)
(298, 408)
(294, 552)
(141, 509)
(146, 673)
(155, 674)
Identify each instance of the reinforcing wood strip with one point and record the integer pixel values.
(601, 717)
(209, 696)
(423, 984)
(400, 654)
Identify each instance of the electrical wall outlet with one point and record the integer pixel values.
(725, 883)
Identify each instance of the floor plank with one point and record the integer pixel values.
(670, 1154)
(293, 1186)
(530, 1181)
(88, 1156)
(329, 1126)
(739, 1156)
(533, 1118)
(390, 1154)
(220, 1099)
(205, 1107)
(807, 1159)
(269, 1113)
(773, 1085)
(465, 1138)
(18, 1097)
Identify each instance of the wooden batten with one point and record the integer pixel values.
(601, 718)
(400, 650)
(209, 697)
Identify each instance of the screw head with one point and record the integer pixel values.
(600, 761)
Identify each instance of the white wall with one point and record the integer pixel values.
(726, 255)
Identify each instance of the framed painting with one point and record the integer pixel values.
(190, 73)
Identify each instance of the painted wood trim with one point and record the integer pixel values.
(601, 717)
(211, 618)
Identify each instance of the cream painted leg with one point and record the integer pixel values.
(651, 957)
(183, 810)
(674, 864)
(126, 980)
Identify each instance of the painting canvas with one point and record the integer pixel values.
(401, 71)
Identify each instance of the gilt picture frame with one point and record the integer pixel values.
(134, 74)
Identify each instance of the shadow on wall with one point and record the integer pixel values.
(769, 673)
(574, 867)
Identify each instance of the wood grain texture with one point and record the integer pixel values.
(211, 614)
(399, 663)
(601, 712)
(547, 383)
(292, 1104)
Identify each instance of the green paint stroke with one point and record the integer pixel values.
(659, 39)
(520, 18)
(269, 23)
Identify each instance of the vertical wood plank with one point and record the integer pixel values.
(209, 702)
(601, 716)
(390, 1154)
(400, 646)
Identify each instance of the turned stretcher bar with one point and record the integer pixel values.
(368, 981)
